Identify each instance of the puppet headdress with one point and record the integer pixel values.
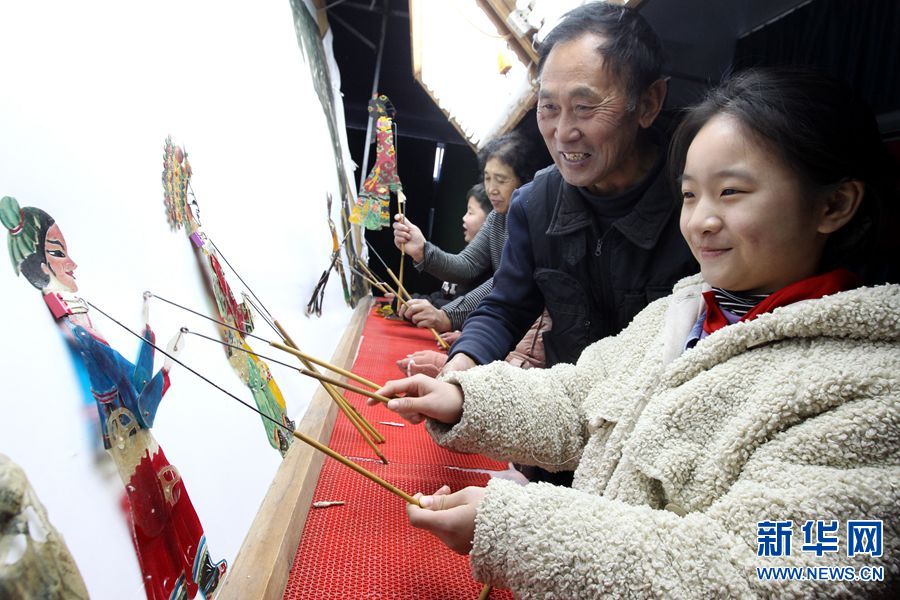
(24, 225)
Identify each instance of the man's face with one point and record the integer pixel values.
(584, 117)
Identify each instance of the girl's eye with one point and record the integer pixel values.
(56, 253)
(729, 192)
(687, 195)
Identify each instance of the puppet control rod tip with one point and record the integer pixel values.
(148, 294)
(185, 330)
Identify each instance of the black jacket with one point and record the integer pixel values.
(592, 286)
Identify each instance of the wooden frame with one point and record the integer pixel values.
(528, 57)
(263, 564)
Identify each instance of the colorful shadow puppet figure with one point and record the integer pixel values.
(168, 537)
(253, 371)
(372, 209)
(34, 559)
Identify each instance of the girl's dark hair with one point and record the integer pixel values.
(514, 150)
(632, 50)
(478, 192)
(821, 129)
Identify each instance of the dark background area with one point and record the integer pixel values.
(855, 40)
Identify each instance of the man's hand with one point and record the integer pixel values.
(424, 397)
(451, 517)
(459, 362)
(405, 232)
(423, 314)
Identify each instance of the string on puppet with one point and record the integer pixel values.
(369, 434)
(265, 392)
(365, 429)
(372, 209)
(255, 373)
(302, 437)
(314, 306)
(168, 537)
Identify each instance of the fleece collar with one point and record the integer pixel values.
(699, 431)
(871, 313)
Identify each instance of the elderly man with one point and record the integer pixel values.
(594, 237)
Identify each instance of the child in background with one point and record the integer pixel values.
(478, 207)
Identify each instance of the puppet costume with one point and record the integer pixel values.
(372, 209)
(168, 537)
(166, 532)
(252, 370)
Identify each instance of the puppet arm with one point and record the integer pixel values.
(152, 392)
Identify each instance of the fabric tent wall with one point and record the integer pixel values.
(853, 41)
(91, 90)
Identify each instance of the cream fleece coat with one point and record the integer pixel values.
(678, 455)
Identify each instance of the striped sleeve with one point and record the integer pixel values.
(481, 255)
(459, 309)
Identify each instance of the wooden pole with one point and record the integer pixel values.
(322, 363)
(346, 386)
(401, 203)
(339, 400)
(385, 289)
(349, 463)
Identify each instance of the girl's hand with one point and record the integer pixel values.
(451, 517)
(424, 397)
(405, 232)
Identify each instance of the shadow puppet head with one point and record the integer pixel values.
(37, 247)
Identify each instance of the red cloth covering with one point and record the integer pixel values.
(367, 548)
(810, 288)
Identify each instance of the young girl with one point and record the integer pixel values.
(750, 420)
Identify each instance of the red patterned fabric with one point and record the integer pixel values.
(367, 548)
(810, 288)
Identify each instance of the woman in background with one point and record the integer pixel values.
(507, 162)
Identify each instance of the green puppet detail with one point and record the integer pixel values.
(372, 209)
(182, 212)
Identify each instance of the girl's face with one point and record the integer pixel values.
(57, 263)
(473, 219)
(745, 215)
(499, 182)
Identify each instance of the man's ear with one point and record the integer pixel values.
(651, 102)
(841, 205)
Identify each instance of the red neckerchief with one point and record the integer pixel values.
(810, 288)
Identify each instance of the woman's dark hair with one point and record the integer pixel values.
(515, 151)
(478, 192)
(27, 229)
(632, 51)
(821, 129)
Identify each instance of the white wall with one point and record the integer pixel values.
(90, 91)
